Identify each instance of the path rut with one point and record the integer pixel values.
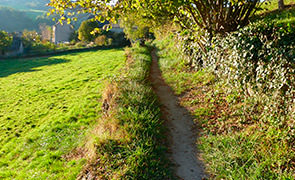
(180, 124)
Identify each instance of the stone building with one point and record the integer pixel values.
(61, 33)
(116, 28)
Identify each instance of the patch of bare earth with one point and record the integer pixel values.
(181, 136)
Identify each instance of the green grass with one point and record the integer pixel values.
(271, 13)
(284, 17)
(135, 150)
(47, 107)
(273, 5)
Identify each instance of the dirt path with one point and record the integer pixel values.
(180, 124)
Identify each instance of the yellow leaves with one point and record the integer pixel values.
(95, 31)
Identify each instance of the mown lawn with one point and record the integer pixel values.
(47, 105)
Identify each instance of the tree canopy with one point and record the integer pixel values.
(214, 16)
(5, 41)
(84, 32)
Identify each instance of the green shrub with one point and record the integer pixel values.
(100, 40)
(259, 61)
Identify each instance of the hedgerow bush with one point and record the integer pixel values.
(257, 62)
(246, 112)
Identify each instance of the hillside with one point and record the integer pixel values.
(18, 15)
(25, 4)
(13, 20)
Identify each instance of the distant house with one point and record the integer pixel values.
(62, 33)
(16, 48)
(116, 28)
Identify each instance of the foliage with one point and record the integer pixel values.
(86, 29)
(259, 61)
(48, 105)
(30, 38)
(5, 41)
(33, 44)
(211, 16)
(74, 37)
(116, 39)
(135, 26)
(246, 110)
(101, 40)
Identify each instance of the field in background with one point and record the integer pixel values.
(47, 105)
(273, 4)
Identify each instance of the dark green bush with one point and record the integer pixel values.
(257, 61)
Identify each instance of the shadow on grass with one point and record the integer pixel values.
(9, 67)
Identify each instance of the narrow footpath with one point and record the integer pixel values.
(180, 124)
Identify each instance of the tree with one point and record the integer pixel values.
(136, 27)
(30, 38)
(196, 17)
(218, 16)
(5, 41)
(85, 32)
(281, 4)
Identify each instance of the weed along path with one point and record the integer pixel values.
(181, 136)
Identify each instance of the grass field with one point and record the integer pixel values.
(47, 105)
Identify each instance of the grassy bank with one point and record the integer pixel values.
(47, 107)
(127, 143)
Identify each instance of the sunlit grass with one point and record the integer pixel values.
(270, 12)
(273, 4)
(46, 107)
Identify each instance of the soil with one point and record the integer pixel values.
(181, 135)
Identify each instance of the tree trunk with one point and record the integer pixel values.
(281, 4)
